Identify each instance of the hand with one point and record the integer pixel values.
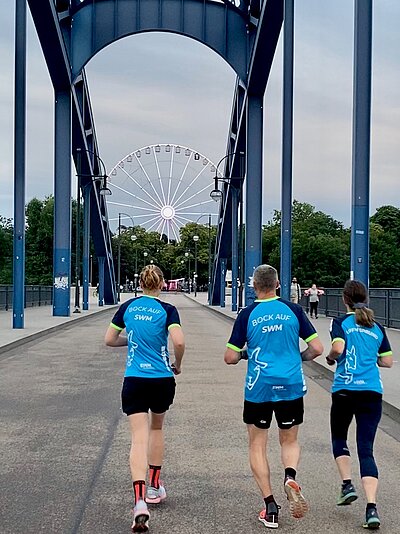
(329, 361)
(176, 369)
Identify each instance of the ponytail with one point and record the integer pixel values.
(151, 278)
(355, 295)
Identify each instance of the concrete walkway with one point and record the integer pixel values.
(64, 442)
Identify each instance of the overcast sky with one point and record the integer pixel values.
(162, 88)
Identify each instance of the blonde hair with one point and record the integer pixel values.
(355, 295)
(151, 277)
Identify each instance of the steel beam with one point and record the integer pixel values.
(235, 243)
(287, 150)
(62, 204)
(361, 140)
(86, 244)
(254, 153)
(19, 165)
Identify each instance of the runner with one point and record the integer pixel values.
(149, 384)
(271, 327)
(359, 346)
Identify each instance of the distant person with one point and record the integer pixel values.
(359, 347)
(295, 291)
(313, 294)
(271, 328)
(149, 383)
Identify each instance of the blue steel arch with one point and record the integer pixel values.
(96, 24)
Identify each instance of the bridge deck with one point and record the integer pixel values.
(64, 442)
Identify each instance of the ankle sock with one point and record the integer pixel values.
(346, 482)
(371, 505)
(154, 476)
(268, 499)
(290, 472)
(139, 487)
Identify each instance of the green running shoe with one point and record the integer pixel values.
(372, 520)
(347, 495)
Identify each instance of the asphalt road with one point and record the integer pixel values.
(64, 443)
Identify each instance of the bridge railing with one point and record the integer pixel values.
(384, 301)
(34, 296)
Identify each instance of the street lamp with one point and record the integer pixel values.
(187, 256)
(195, 239)
(119, 250)
(134, 238)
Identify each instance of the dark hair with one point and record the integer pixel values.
(355, 295)
(151, 277)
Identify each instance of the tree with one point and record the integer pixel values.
(6, 250)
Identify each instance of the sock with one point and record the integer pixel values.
(154, 476)
(346, 481)
(268, 499)
(139, 487)
(290, 472)
(371, 505)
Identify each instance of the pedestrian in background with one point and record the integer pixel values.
(313, 294)
(295, 291)
(359, 348)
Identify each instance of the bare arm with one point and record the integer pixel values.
(178, 340)
(337, 349)
(313, 350)
(113, 338)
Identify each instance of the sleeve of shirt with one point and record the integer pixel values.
(239, 332)
(173, 319)
(336, 331)
(117, 321)
(307, 330)
(385, 349)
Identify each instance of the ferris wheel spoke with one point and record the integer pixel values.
(144, 215)
(132, 206)
(181, 178)
(173, 230)
(135, 196)
(192, 196)
(148, 179)
(180, 217)
(139, 186)
(154, 224)
(191, 183)
(168, 229)
(170, 175)
(162, 228)
(159, 175)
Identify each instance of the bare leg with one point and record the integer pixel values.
(290, 448)
(258, 458)
(370, 485)
(156, 439)
(344, 465)
(139, 426)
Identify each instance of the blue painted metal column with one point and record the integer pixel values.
(361, 140)
(235, 247)
(222, 281)
(19, 165)
(62, 204)
(254, 153)
(86, 243)
(101, 260)
(287, 151)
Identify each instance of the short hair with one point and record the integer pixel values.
(151, 277)
(265, 277)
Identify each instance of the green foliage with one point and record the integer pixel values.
(6, 244)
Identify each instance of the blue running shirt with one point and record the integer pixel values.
(272, 329)
(147, 321)
(357, 367)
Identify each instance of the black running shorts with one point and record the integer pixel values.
(143, 394)
(287, 413)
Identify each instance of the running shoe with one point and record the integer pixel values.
(269, 516)
(372, 520)
(297, 503)
(347, 495)
(141, 517)
(154, 495)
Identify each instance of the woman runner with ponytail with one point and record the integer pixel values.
(359, 347)
(149, 384)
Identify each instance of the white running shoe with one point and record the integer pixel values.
(141, 517)
(154, 495)
(297, 503)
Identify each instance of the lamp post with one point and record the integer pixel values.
(187, 256)
(119, 250)
(195, 239)
(216, 194)
(145, 254)
(134, 238)
(209, 253)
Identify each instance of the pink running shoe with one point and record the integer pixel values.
(154, 495)
(297, 503)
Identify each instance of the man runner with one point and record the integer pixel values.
(271, 327)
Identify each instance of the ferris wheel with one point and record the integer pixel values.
(162, 188)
